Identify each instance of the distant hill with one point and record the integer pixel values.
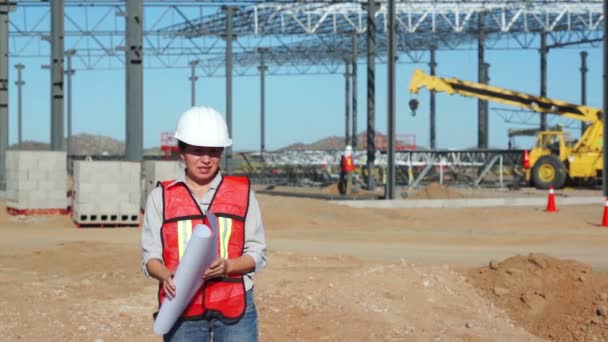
(88, 144)
(91, 144)
(337, 143)
(30, 146)
(330, 143)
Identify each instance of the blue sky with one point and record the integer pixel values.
(303, 108)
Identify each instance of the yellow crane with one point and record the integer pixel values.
(552, 160)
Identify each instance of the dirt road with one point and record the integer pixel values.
(335, 273)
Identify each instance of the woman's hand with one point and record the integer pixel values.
(218, 268)
(169, 286)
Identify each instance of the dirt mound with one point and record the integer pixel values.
(331, 189)
(435, 191)
(561, 300)
(345, 299)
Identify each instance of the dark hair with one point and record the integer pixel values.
(181, 145)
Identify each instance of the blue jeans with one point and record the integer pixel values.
(245, 330)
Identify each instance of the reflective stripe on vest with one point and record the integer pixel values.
(184, 232)
(225, 232)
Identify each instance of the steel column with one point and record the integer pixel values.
(390, 182)
(432, 66)
(20, 83)
(371, 93)
(354, 91)
(262, 69)
(543, 76)
(5, 7)
(229, 37)
(69, 72)
(134, 81)
(346, 102)
(605, 102)
(583, 84)
(193, 78)
(482, 105)
(57, 108)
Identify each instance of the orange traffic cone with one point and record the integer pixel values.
(551, 201)
(605, 218)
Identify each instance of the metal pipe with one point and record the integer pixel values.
(390, 185)
(134, 81)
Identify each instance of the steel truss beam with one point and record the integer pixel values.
(529, 118)
(413, 16)
(304, 37)
(402, 158)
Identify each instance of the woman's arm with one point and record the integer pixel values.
(254, 251)
(151, 246)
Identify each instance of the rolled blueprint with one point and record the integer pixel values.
(200, 252)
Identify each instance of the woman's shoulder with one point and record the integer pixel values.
(155, 196)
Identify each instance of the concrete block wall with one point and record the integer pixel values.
(155, 171)
(107, 192)
(36, 180)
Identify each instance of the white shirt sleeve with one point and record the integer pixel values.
(255, 240)
(151, 245)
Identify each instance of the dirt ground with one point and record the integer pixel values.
(336, 274)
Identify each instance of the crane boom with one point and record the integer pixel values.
(551, 161)
(514, 98)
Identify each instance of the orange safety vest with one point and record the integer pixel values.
(347, 163)
(222, 298)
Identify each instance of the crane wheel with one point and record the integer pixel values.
(549, 171)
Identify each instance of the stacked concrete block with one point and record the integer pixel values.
(36, 181)
(107, 193)
(157, 171)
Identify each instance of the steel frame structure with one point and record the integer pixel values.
(475, 158)
(303, 37)
(467, 166)
(524, 117)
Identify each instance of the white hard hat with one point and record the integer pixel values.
(202, 126)
(349, 148)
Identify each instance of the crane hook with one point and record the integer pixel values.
(413, 106)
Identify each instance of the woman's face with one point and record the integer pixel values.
(201, 162)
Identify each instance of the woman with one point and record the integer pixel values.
(223, 309)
